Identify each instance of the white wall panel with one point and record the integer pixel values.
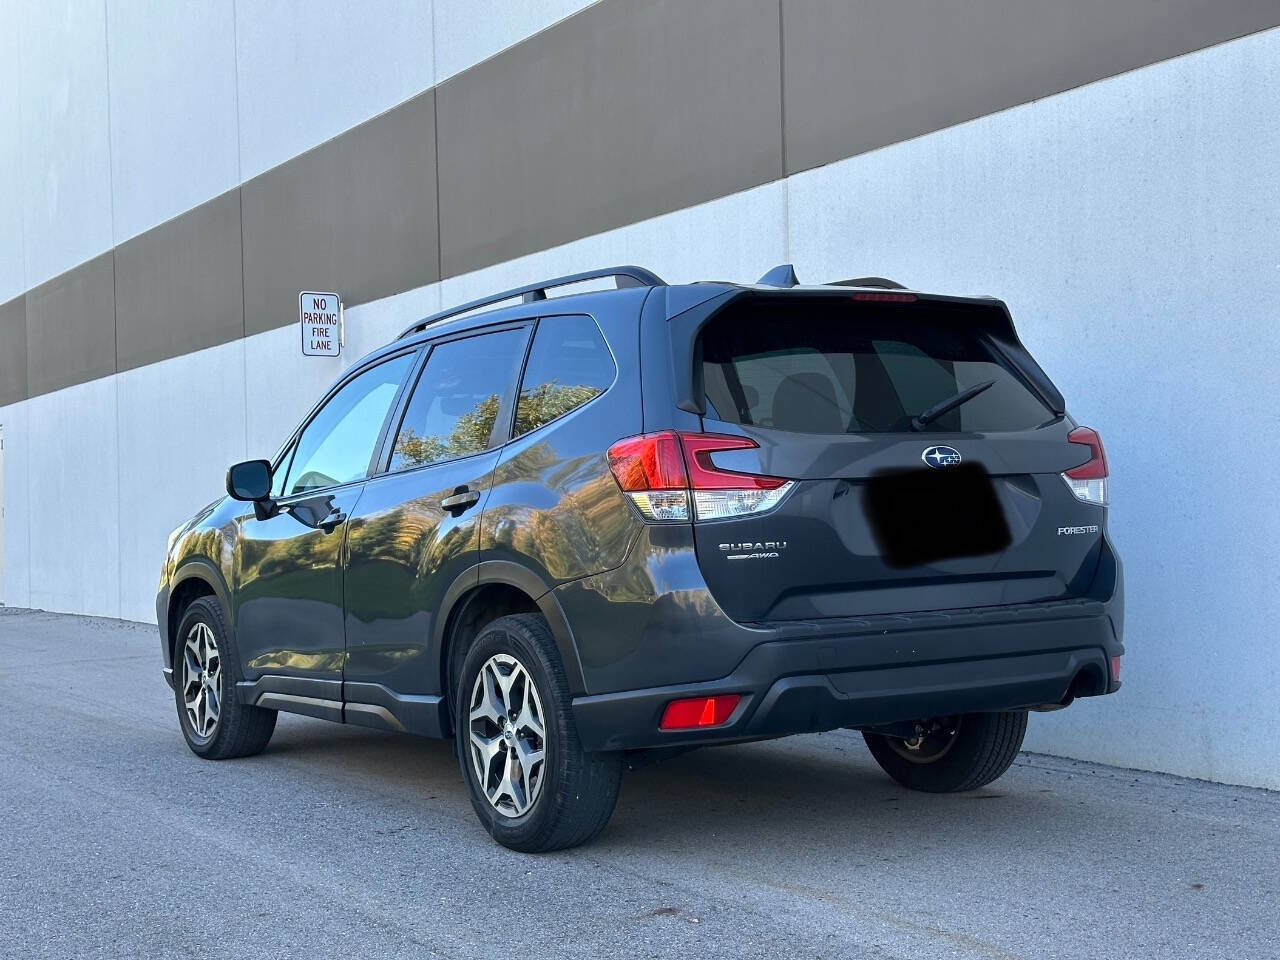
(73, 501)
(174, 136)
(15, 591)
(310, 70)
(1125, 223)
(12, 280)
(181, 424)
(66, 180)
(468, 32)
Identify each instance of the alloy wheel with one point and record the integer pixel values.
(507, 735)
(202, 680)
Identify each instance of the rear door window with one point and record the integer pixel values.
(830, 367)
(569, 365)
(458, 399)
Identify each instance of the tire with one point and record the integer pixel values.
(561, 800)
(239, 729)
(982, 748)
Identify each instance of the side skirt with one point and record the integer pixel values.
(363, 704)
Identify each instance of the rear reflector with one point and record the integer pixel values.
(1115, 669)
(660, 472)
(698, 712)
(1089, 480)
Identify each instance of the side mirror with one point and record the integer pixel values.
(250, 480)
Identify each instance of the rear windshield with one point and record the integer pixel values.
(837, 367)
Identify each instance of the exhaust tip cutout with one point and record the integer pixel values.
(667, 475)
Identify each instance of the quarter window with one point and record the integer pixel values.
(458, 398)
(338, 443)
(569, 365)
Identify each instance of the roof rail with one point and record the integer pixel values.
(626, 276)
(880, 282)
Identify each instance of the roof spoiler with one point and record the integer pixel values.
(784, 276)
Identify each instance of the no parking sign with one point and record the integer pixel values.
(320, 315)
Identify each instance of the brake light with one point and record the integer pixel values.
(699, 712)
(886, 297)
(1089, 480)
(663, 472)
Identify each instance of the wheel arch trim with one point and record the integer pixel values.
(196, 568)
(505, 572)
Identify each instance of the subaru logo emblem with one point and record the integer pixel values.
(940, 457)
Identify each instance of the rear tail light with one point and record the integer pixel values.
(1115, 670)
(663, 472)
(698, 712)
(650, 470)
(1089, 480)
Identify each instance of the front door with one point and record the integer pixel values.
(287, 567)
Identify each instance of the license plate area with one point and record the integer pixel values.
(925, 515)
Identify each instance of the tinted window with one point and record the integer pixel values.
(833, 368)
(456, 402)
(336, 446)
(568, 365)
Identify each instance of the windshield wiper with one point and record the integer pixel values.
(946, 406)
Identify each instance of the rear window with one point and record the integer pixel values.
(835, 367)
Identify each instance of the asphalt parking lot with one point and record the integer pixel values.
(340, 841)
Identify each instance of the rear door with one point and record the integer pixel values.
(416, 529)
(887, 514)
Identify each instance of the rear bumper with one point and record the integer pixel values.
(818, 676)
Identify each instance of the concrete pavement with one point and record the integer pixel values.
(115, 841)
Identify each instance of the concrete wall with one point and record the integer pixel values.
(1127, 222)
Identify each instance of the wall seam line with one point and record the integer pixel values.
(435, 143)
(115, 311)
(782, 125)
(782, 86)
(244, 301)
(235, 86)
(111, 191)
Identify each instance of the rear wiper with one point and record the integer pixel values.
(947, 405)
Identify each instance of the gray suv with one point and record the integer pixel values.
(581, 532)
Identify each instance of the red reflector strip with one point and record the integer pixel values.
(698, 712)
(886, 297)
(1115, 669)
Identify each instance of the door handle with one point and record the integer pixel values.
(461, 500)
(331, 522)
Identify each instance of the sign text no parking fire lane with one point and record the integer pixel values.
(320, 316)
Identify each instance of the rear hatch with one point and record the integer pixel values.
(888, 513)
